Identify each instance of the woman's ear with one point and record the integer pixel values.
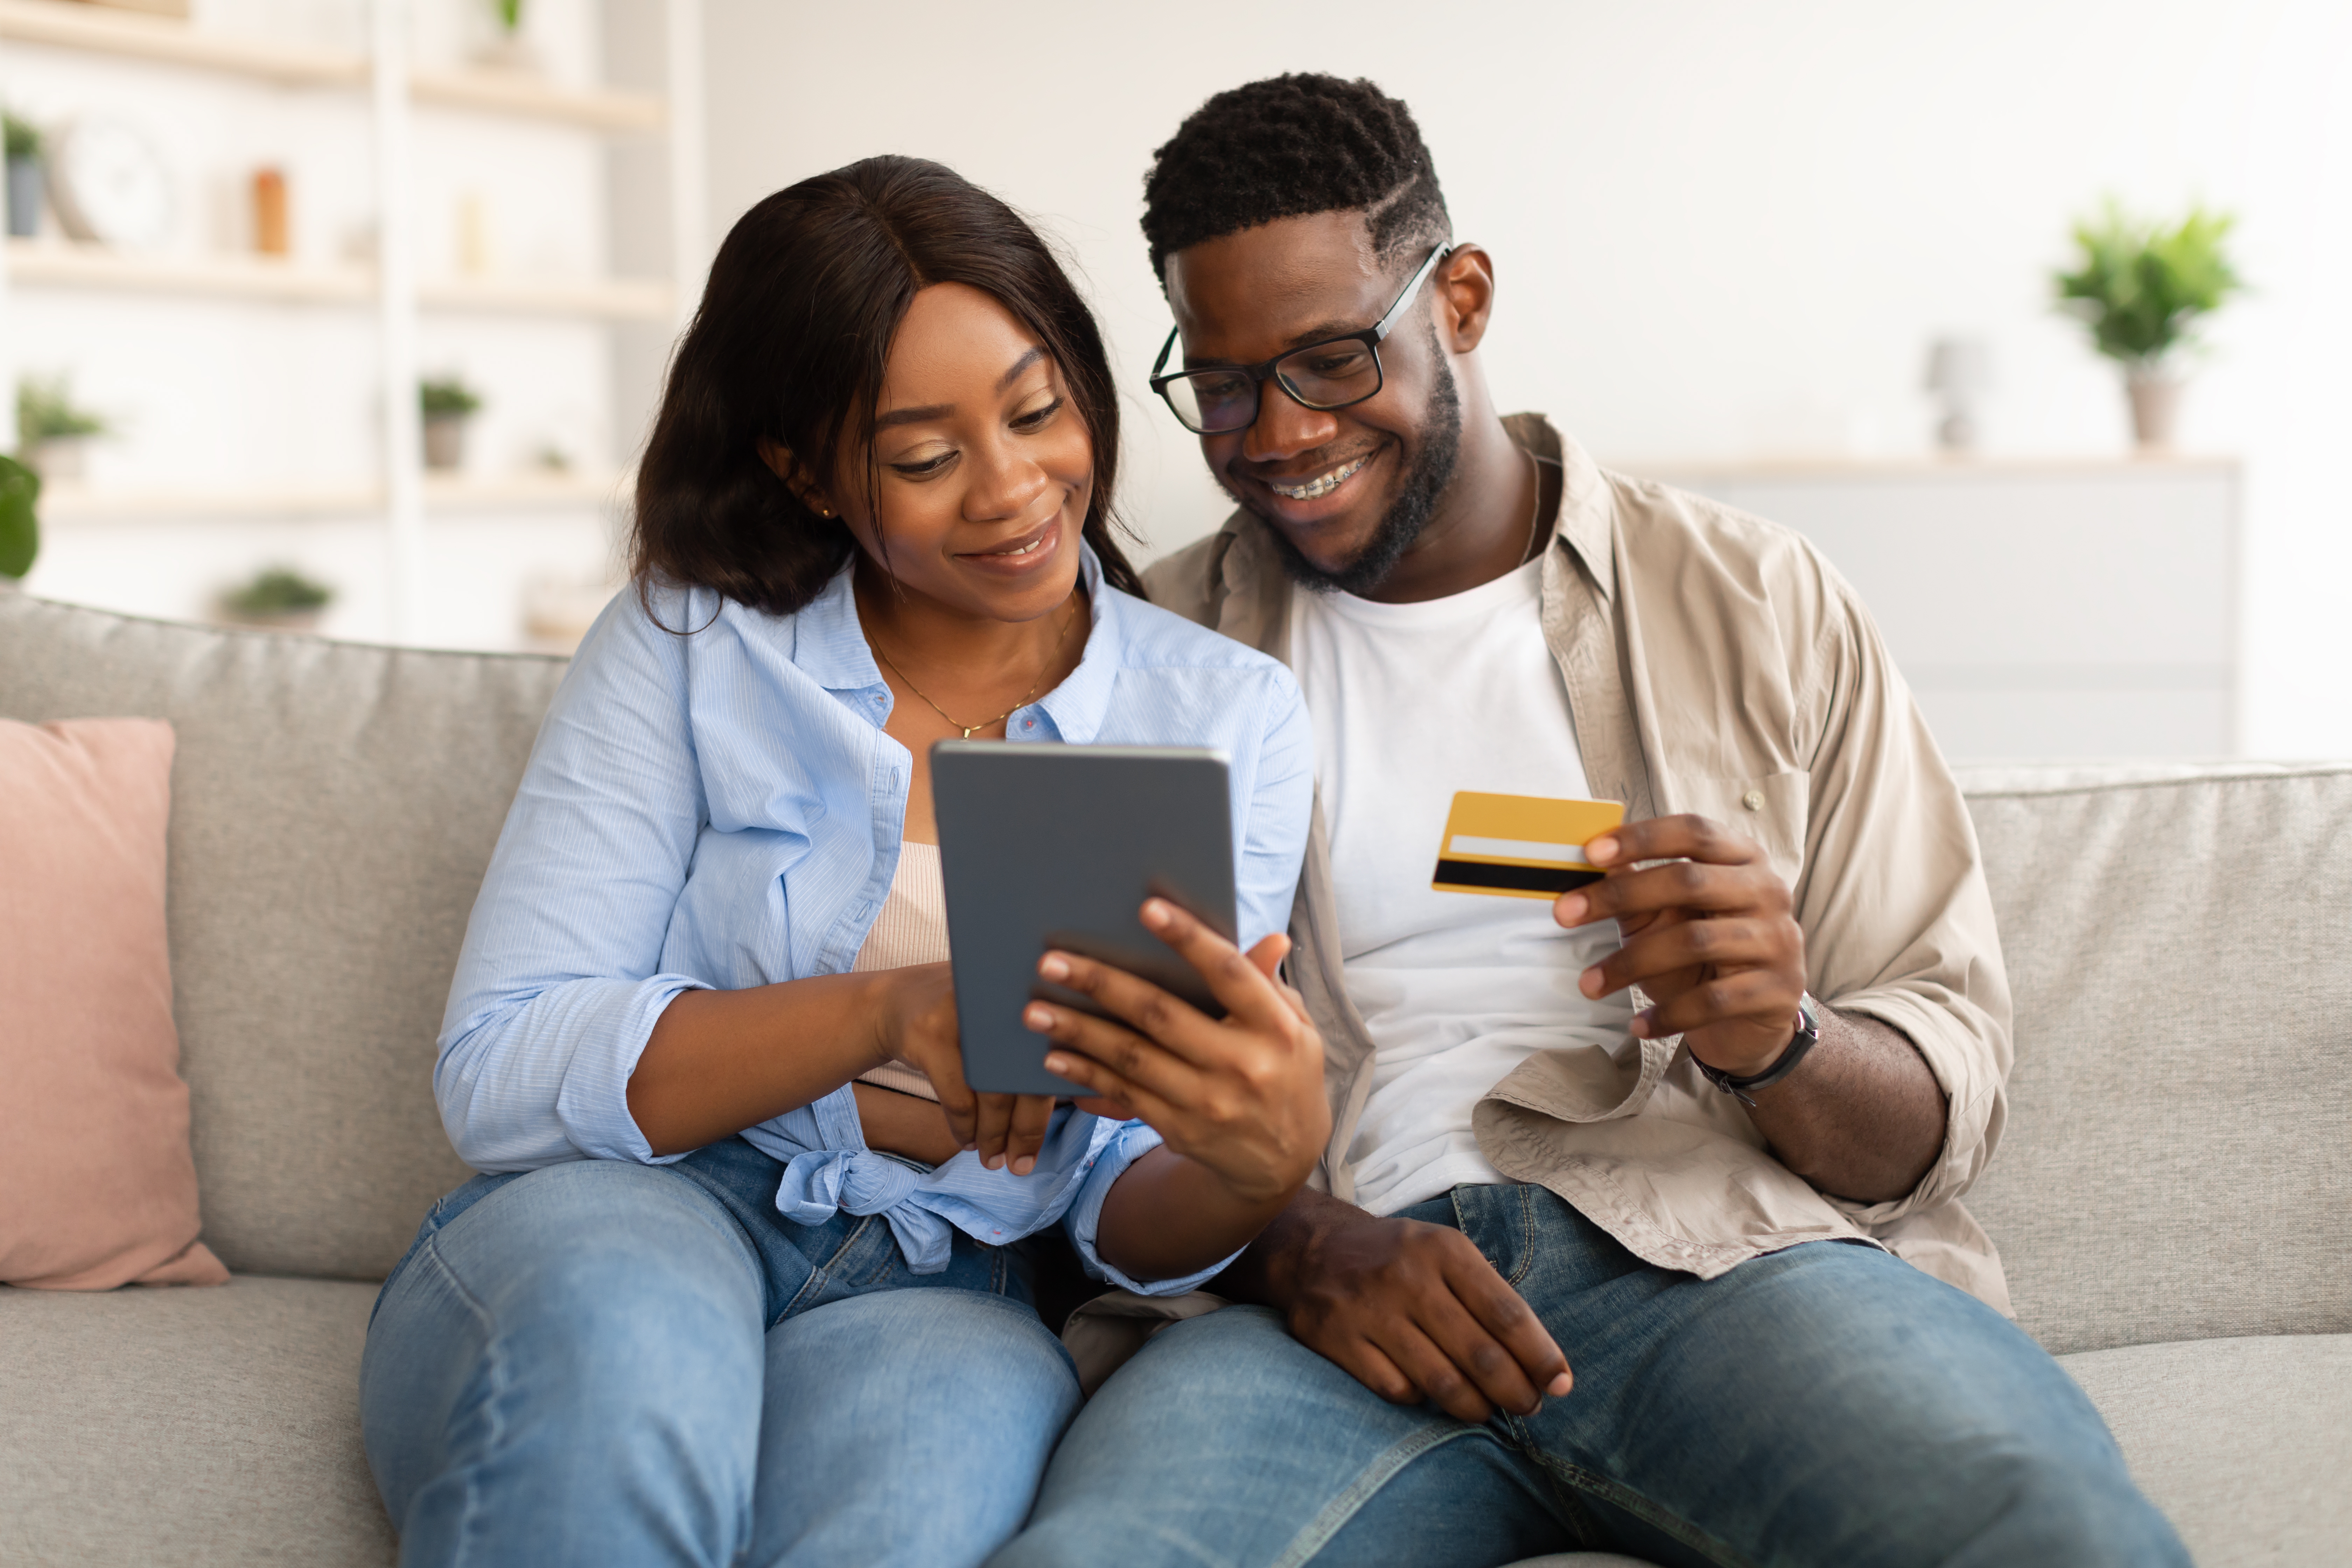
(787, 468)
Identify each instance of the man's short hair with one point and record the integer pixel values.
(1287, 147)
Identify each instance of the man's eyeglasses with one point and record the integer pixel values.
(1329, 374)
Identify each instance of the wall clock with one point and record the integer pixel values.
(110, 184)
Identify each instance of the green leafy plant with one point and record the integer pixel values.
(46, 412)
(448, 398)
(20, 529)
(2143, 288)
(509, 14)
(23, 137)
(280, 590)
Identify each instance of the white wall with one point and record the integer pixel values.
(1724, 227)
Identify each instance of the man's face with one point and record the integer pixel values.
(1348, 490)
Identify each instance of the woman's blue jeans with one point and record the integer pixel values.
(1825, 1405)
(608, 1363)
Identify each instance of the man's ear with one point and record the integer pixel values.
(796, 477)
(1465, 282)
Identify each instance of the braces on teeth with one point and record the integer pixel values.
(1322, 486)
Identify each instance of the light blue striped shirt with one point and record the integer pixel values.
(724, 810)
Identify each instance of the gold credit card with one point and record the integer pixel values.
(1520, 846)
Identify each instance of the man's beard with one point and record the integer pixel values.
(1408, 515)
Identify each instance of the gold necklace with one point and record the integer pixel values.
(1051, 659)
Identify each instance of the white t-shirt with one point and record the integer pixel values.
(1412, 703)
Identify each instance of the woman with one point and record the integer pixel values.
(747, 1278)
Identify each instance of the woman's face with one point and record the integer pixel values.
(985, 469)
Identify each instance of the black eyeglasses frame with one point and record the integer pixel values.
(1264, 371)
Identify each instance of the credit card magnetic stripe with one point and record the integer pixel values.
(1520, 881)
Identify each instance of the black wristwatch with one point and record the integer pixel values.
(1809, 1035)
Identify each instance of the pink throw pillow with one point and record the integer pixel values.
(97, 1185)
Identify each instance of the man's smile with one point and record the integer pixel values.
(1322, 484)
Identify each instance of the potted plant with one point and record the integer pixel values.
(24, 144)
(20, 530)
(279, 598)
(447, 403)
(507, 48)
(2143, 290)
(50, 430)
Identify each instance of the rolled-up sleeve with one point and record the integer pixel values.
(560, 981)
(1121, 1145)
(1897, 918)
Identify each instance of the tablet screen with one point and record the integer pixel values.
(1050, 846)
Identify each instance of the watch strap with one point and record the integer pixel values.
(1807, 1035)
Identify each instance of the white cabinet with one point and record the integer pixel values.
(2038, 609)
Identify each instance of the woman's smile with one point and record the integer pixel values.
(1022, 555)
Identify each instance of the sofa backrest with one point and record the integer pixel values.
(332, 808)
(2178, 1162)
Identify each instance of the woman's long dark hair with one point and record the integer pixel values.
(790, 345)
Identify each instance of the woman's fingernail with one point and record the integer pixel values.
(1560, 1385)
(1155, 913)
(1054, 966)
(1571, 908)
(1641, 1026)
(1023, 1166)
(1057, 1063)
(1600, 851)
(969, 1147)
(1039, 1018)
(1589, 981)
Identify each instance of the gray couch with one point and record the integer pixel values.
(2173, 1196)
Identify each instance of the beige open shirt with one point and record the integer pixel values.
(1714, 663)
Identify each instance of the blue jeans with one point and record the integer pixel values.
(1825, 1405)
(609, 1364)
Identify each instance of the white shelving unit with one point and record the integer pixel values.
(62, 264)
(403, 105)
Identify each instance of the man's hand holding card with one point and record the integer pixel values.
(1710, 931)
(1710, 934)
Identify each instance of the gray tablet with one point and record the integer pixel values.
(1057, 847)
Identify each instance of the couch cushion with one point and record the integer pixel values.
(2177, 1162)
(94, 1126)
(2241, 1442)
(187, 1426)
(332, 808)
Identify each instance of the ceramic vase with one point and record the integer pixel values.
(60, 457)
(2155, 410)
(24, 198)
(445, 441)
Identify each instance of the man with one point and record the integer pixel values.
(1642, 1228)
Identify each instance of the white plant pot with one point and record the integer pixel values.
(445, 441)
(506, 52)
(60, 457)
(2155, 410)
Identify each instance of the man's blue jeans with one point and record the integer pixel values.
(1829, 1404)
(610, 1364)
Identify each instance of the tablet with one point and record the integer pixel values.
(1057, 847)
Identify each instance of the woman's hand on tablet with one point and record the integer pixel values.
(916, 1025)
(1239, 1098)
